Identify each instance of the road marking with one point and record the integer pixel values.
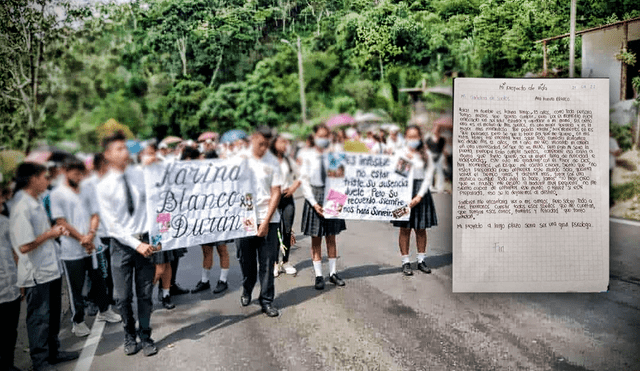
(89, 350)
(634, 223)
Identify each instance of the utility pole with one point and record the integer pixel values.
(303, 101)
(572, 39)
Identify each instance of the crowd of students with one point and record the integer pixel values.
(90, 227)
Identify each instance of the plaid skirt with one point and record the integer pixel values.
(315, 225)
(423, 215)
(167, 256)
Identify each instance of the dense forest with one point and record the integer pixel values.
(180, 67)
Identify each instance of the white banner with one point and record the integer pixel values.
(195, 202)
(367, 187)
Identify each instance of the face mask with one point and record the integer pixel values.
(414, 143)
(322, 142)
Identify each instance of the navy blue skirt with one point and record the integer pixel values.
(423, 215)
(313, 224)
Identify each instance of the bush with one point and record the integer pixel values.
(622, 134)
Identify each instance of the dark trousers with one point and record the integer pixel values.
(43, 320)
(10, 314)
(287, 209)
(76, 271)
(104, 265)
(265, 250)
(126, 265)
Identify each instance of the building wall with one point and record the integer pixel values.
(598, 56)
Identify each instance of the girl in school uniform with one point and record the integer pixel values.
(313, 175)
(423, 211)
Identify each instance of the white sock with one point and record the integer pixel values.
(421, 257)
(317, 266)
(205, 275)
(405, 259)
(165, 293)
(332, 266)
(223, 274)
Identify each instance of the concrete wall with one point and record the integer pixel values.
(598, 56)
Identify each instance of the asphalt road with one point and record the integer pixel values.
(382, 320)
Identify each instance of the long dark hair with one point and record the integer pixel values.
(274, 151)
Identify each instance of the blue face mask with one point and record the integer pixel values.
(322, 142)
(414, 143)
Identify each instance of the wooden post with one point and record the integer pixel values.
(623, 66)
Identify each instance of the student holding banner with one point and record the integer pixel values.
(423, 211)
(263, 246)
(122, 201)
(313, 175)
(207, 250)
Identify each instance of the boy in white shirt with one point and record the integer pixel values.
(39, 270)
(264, 246)
(69, 210)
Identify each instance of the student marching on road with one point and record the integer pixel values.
(313, 174)
(279, 147)
(423, 211)
(69, 211)
(39, 269)
(10, 297)
(264, 246)
(121, 196)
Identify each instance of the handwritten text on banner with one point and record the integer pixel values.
(367, 187)
(196, 202)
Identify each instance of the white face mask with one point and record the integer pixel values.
(321, 142)
(414, 143)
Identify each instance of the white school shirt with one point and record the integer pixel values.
(420, 169)
(112, 202)
(9, 291)
(67, 204)
(28, 221)
(310, 174)
(289, 173)
(266, 174)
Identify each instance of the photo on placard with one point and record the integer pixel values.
(336, 165)
(335, 202)
(403, 167)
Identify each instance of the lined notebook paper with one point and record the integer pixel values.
(530, 185)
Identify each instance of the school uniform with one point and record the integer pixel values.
(122, 201)
(287, 207)
(423, 215)
(266, 174)
(67, 204)
(313, 175)
(9, 297)
(39, 272)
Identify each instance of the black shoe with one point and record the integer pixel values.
(336, 280)
(319, 283)
(44, 366)
(91, 309)
(131, 346)
(406, 269)
(63, 357)
(13, 368)
(166, 302)
(177, 290)
(149, 347)
(245, 299)
(220, 287)
(270, 310)
(201, 286)
(424, 267)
